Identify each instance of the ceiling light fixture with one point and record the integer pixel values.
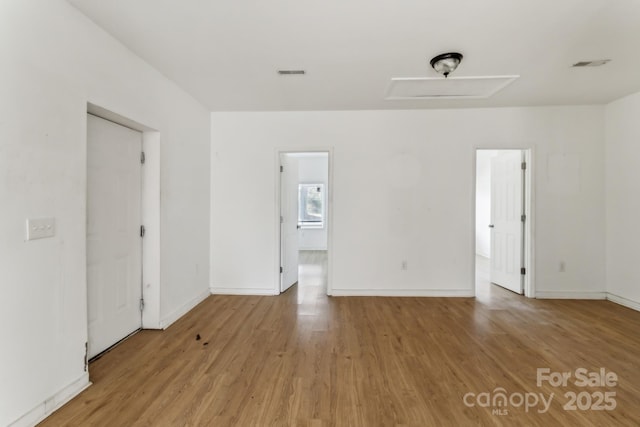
(446, 63)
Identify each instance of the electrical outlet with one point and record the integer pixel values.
(403, 265)
(562, 267)
(40, 228)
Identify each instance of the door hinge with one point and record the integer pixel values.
(281, 270)
(523, 217)
(141, 304)
(523, 271)
(524, 165)
(281, 168)
(281, 219)
(142, 231)
(142, 157)
(86, 356)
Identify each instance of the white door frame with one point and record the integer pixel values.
(529, 224)
(150, 198)
(328, 212)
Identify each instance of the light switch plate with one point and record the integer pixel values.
(40, 228)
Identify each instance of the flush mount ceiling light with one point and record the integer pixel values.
(446, 63)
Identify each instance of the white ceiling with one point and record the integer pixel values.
(226, 52)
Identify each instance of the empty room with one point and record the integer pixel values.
(342, 213)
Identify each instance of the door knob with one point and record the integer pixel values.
(490, 225)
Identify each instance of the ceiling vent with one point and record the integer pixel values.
(291, 72)
(596, 63)
(447, 88)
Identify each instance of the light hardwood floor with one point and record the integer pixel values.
(305, 359)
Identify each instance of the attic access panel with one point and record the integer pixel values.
(447, 88)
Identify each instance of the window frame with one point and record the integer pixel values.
(313, 225)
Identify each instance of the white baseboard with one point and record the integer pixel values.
(464, 293)
(181, 311)
(571, 295)
(634, 305)
(46, 408)
(241, 291)
(311, 248)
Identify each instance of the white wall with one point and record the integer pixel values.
(53, 60)
(314, 169)
(403, 191)
(623, 199)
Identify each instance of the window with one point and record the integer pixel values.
(311, 205)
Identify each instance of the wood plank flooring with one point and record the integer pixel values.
(304, 359)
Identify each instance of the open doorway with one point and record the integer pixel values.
(502, 207)
(304, 222)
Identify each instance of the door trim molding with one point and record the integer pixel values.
(151, 241)
(328, 212)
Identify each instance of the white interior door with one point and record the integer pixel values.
(288, 221)
(506, 222)
(114, 245)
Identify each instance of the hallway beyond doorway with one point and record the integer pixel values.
(312, 277)
(487, 292)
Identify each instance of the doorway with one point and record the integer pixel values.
(114, 243)
(503, 222)
(304, 222)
